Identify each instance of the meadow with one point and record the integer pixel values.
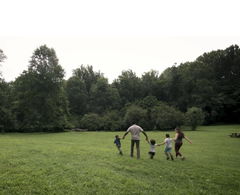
(89, 163)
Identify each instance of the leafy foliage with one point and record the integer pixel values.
(2, 58)
(164, 116)
(7, 117)
(137, 115)
(194, 117)
(111, 121)
(92, 122)
(41, 100)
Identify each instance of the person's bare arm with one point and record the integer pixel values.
(124, 135)
(145, 135)
(161, 144)
(176, 136)
(188, 139)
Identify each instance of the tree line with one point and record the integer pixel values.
(204, 91)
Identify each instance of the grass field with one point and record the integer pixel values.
(89, 163)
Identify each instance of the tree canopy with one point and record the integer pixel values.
(40, 99)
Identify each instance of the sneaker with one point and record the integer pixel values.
(183, 158)
(172, 158)
(121, 153)
(168, 158)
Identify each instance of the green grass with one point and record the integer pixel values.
(89, 163)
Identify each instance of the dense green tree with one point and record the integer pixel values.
(149, 82)
(226, 74)
(194, 117)
(7, 118)
(77, 96)
(170, 85)
(39, 96)
(103, 96)
(128, 86)
(137, 115)
(88, 76)
(91, 121)
(41, 101)
(111, 121)
(90, 92)
(164, 116)
(2, 58)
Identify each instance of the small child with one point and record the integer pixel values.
(118, 144)
(152, 148)
(168, 147)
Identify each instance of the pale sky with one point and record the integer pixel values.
(113, 36)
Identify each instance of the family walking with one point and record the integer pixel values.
(135, 139)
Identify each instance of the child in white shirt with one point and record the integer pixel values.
(152, 148)
(168, 147)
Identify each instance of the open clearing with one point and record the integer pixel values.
(89, 163)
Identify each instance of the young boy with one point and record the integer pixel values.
(118, 144)
(168, 146)
(152, 148)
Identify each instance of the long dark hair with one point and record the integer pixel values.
(180, 133)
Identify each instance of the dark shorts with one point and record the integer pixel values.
(152, 153)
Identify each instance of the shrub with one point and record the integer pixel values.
(164, 116)
(111, 121)
(92, 122)
(194, 117)
(137, 114)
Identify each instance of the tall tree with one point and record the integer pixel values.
(164, 116)
(77, 96)
(41, 99)
(226, 74)
(149, 83)
(7, 118)
(136, 114)
(2, 58)
(88, 77)
(128, 86)
(103, 96)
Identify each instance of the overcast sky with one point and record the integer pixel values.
(113, 36)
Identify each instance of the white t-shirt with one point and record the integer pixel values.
(168, 142)
(135, 129)
(152, 147)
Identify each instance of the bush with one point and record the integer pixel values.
(194, 117)
(92, 122)
(136, 114)
(164, 116)
(111, 121)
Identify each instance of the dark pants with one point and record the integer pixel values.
(177, 148)
(119, 147)
(137, 146)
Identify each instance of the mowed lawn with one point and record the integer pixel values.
(89, 163)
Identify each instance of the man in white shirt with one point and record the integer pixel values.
(135, 138)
